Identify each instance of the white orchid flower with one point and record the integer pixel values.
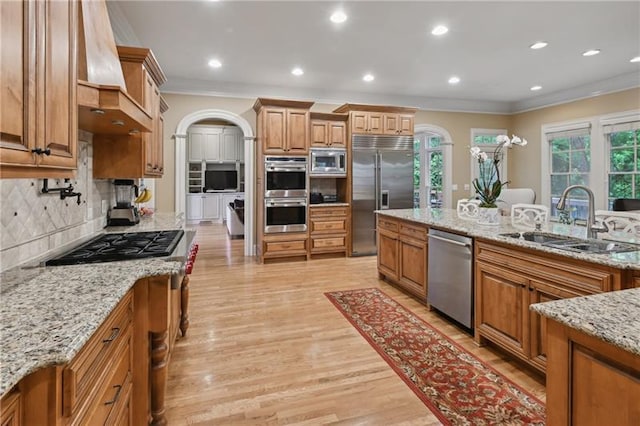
(483, 156)
(475, 152)
(516, 140)
(502, 138)
(524, 142)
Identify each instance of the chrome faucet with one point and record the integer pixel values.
(592, 227)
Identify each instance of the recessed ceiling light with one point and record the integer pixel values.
(539, 45)
(591, 52)
(636, 59)
(215, 63)
(454, 80)
(439, 30)
(368, 77)
(338, 17)
(534, 88)
(297, 71)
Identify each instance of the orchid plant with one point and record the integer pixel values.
(488, 185)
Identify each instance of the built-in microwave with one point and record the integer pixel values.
(328, 162)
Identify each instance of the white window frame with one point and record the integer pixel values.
(488, 148)
(447, 163)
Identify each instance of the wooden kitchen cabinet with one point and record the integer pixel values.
(398, 124)
(283, 126)
(328, 130)
(136, 155)
(11, 406)
(38, 79)
(328, 229)
(291, 245)
(590, 382)
(509, 279)
(379, 119)
(403, 254)
(367, 122)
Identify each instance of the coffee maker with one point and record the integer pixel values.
(124, 213)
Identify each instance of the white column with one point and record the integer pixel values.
(249, 196)
(180, 173)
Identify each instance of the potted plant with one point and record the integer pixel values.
(488, 184)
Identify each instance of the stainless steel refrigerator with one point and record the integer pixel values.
(382, 178)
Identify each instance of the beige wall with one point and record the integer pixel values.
(524, 164)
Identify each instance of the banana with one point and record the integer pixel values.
(147, 195)
(141, 197)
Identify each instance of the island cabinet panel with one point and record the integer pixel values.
(402, 254)
(11, 405)
(509, 279)
(590, 382)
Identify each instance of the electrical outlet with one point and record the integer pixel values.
(104, 207)
(466, 187)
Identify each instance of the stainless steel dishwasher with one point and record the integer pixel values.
(451, 275)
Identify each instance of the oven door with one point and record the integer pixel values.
(285, 180)
(285, 215)
(328, 162)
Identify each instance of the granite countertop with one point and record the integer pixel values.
(613, 317)
(447, 219)
(48, 313)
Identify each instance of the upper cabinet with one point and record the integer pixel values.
(136, 154)
(38, 109)
(215, 143)
(283, 126)
(328, 130)
(379, 120)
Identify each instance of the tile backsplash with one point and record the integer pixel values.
(33, 223)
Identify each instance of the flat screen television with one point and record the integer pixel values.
(220, 180)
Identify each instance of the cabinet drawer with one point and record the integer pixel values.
(328, 226)
(84, 372)
(328, 211)
(417, 232)
(328, 243)
(113, 393)
(285, 246)
(388, 224)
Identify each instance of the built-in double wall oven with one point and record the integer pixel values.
(285, 195)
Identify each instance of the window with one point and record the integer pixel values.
(433, 167)
(570, 164)
(623, 160)
(485, 139)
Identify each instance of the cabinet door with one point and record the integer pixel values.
(413, 266)
(502, 308)
(543, 292)
(160, 145)
(211, 206)
(57, 95)
(388, 254)
(194, 207)
(319, 133)
(152, 139)
(376, 124)
(405, 124)
(274, 131)
(230, 144)
(17, 96)
(359, 122)
(337, 134)
(196, 143)
(391, 125)
(297, 131)
(211, 146)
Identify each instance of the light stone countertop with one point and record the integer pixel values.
(47, 314)
(447, 219)
(613, 317)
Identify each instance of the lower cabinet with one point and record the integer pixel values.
(328, 229)
(590, 382)
(11, 405)
(285, 245)
(403, 254)
(508, 280)
(209, 206)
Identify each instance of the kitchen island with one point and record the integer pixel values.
(50, 315)
(509, 274)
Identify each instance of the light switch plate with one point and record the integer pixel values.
(466, 186)
(454, 187)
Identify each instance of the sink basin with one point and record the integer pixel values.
(574, 244)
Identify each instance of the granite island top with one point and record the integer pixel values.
(447, 219)
(613, 317)
(48, 313)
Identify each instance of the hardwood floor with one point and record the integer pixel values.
(266, 347)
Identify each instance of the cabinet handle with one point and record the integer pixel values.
(41, 151)
(114, 333)
(116, 396)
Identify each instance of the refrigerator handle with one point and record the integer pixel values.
(384, 199)
(376, 177)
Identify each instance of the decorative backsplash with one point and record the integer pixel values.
(32, 223)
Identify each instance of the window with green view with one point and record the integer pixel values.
(624, 164)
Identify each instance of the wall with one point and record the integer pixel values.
(33, 224)
(524, 164)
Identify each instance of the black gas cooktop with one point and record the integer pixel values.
(114, 247)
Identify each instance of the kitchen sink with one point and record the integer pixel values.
(579, 245)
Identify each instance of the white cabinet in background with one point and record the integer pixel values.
(210, 206)
(215, 143)
(194, 207)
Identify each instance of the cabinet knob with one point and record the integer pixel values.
(41, 151)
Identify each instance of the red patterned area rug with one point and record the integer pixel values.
(456, 386)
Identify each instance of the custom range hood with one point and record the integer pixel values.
(104, 106)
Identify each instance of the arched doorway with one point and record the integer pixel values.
(428, 152)
(180, 137)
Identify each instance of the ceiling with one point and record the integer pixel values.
(487, 46)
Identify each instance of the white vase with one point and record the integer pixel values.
(488, 216)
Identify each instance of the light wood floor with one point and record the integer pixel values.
(266, 347)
